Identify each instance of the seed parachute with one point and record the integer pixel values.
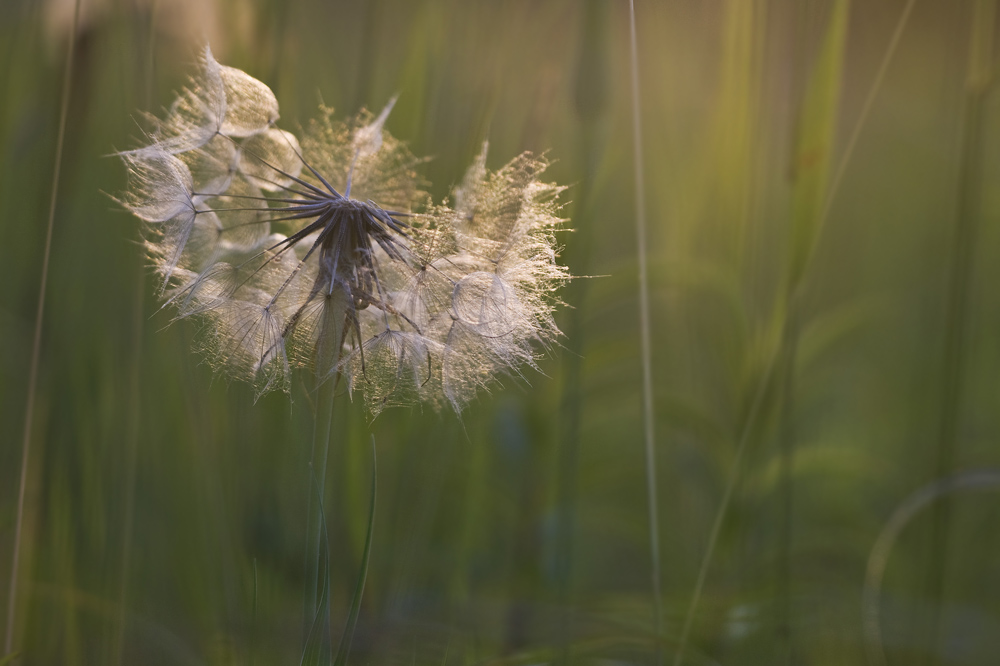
(326, 253)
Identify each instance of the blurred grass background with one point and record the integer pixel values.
(828, 342)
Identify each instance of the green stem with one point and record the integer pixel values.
(749, 424)
(135, 404)
(590, 104)
(333, 328)
(645, 340)
(37, 342)
(789, 343)
(962, 266)
(326, 394)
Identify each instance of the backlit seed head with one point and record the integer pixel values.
(325, 252)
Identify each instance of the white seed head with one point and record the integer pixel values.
(326, 253)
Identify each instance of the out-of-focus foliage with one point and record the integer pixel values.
(167, 511)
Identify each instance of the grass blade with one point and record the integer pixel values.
(590, 104)
(135, 404)
(814, 141)
(960, 288)
(817, 128)
(37, 340)
(852, 141)
(644, 332)
(748, 427)
(879, 557)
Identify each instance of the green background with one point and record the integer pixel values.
(824, 319)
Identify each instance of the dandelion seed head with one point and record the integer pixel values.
(324, 251)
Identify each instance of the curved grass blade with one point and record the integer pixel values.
(980, 480)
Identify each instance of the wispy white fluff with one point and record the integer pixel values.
(324, 252)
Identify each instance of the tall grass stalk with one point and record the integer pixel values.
(963, 257)
(794, 292)
(644, 331)
(135, 401)
(852, 141)
(37, 339)
(786, 439)
(590, 103)
(816, 134)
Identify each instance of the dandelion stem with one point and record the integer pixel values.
(37, 341)
(334, 328)
(350, 173)
(326, 393)
(644, 331)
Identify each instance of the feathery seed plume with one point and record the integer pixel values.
(327, 254)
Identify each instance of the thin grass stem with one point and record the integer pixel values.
(37, 340)
(748, 426)
(590, 104)
(786, 437)
(135, 403)
(852, 141)
(644, 332)
(325, 401)
(963, 259)
(816, 126)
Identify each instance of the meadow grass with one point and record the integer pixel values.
(29, 408)
(822, 335)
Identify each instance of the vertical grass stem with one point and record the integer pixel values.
(963, 256)
(135, 404)
(644, 332)
(37, 340)
(852, 140)
(326, 394)
(748, 426)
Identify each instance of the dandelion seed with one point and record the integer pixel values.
(326, 253)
